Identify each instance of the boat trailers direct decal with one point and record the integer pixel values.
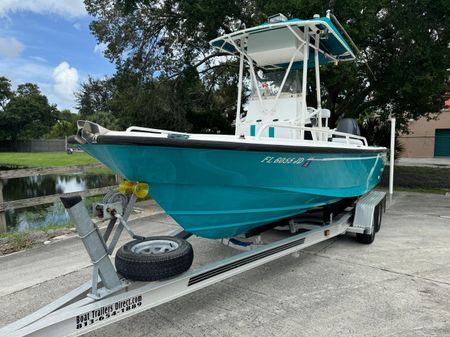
(108, 311)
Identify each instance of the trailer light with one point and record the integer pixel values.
(141, 190)
(126, 186)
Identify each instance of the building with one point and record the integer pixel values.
(428, 139)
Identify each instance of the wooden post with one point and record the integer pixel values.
(119, 179)
(2, 214)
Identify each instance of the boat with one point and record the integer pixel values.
(283, 159)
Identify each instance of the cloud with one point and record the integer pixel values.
(22, 70)
(38, 58)
(100, 48)
(65, 80)
(10, 47)
(77, 26)
(71, 8)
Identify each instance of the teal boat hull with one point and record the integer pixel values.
(220, 193)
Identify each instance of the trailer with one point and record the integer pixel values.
(109, 296)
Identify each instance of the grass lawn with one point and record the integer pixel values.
(44, 159)
(418, 179)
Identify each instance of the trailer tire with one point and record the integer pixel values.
(154, 258)
(365, 238)
(376, 223)
(379, 212)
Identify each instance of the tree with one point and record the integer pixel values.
(405, 45)
(154, 103)
(66, 125)
(408, 59)
(93, 97)
(162, 36)
(5, 92)
(184, 103)
(27, 115)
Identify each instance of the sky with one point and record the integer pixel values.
(48, 42)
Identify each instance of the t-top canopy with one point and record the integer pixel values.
(272, 45)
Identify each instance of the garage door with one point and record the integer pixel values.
(442, 143)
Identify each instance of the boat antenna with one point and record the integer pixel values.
(353, 44)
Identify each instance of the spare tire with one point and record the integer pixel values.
(154, 258)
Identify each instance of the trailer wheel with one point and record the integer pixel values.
(379, 213)
(376, 223)
(154, 258)
(365, 238)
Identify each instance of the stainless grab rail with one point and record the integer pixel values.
(327, 132)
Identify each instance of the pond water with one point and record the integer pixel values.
(49, 214)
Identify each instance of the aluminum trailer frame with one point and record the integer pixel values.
(88, 308)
